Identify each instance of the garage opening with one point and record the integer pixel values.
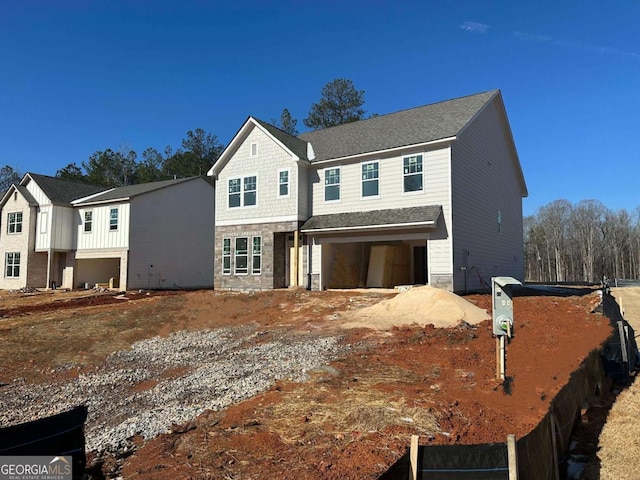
(93, 271)
(374, 264)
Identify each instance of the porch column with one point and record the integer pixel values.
(296, 258)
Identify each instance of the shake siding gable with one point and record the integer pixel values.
(485, 182)
(270, 158)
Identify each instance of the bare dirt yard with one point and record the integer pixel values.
(272, 385)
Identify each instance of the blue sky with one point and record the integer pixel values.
(78, 76)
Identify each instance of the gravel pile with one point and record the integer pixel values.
(216, 368)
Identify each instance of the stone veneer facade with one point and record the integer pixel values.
(274, 244)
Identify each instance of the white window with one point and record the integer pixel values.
(12, 264)
(256, 264)
(412, 173)
(254, 149)
(226, 256)
(250, 188)
(370, 178)
(283, 183)
(331, 184)
(14, 222)
(243, 192)
(88, 221)
(113, 219)
(234, 192)
(242, 256)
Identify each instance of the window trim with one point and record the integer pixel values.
(15, 267)
(237, 255)
(241, 192)
(253, 149)
(280, 183)
(15, 224)
(226, 255)
(405, 175)
(376, 179)
(255, 255)
(117, 219)
(89, 221)
(338, 184)
(245, 191)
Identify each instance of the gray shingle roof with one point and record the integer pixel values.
(375, 218)
(63, 191)
(295, 144)
(27, 195)
(407, 127)
(133, 190)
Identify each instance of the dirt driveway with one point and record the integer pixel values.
(349, 415)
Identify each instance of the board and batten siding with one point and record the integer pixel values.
(172, 237)
(436, 191)
(37, 193)
(265, 165)
(486, 184)
(101, 236)
(56, 228)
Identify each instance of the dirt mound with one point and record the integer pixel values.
(422, 305)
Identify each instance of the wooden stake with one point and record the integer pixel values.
(413, 458)
(502, 358)
(512, 454)
(498, 358)
(554, 444)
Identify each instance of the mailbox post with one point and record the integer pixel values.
(502, 306)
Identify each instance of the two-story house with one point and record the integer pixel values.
(430, 195)
(68, 234)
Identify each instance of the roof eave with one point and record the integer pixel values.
(387, 150)
(102, 202)
(394, 226)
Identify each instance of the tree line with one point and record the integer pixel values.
(340, 102)
(582, 242)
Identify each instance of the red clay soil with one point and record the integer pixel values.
(289, 431)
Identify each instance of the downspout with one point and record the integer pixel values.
(48, 285)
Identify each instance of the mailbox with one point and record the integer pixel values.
(502, 302)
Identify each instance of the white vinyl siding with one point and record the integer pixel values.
(101, 234)
(486, 200)
(157, 228)
(56, 228)
(390, 183)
